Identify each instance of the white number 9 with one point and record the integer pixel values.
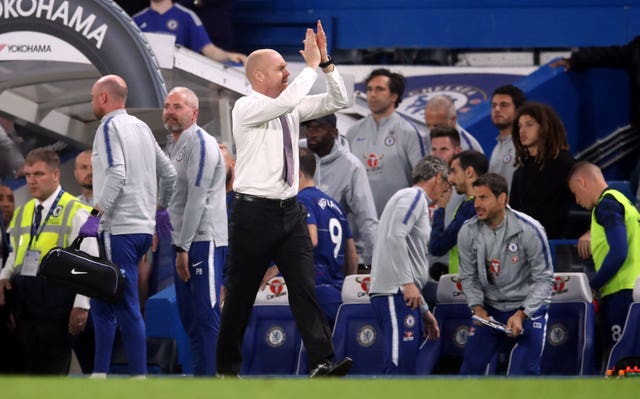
(335, 231)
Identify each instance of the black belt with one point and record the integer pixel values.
(283, 203)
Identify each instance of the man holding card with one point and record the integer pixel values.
(507, 275)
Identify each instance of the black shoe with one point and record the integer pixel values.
(327, 368)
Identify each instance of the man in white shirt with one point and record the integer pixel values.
(267, 222)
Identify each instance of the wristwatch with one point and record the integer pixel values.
(95, 212)
(327, 63)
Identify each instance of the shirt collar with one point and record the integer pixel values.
(46, 204)
(113, 113)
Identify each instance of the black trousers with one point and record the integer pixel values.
(260, 231)
(44, 344)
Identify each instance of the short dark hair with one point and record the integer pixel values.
(477, 160)
(45, 155)
(428, 167)
(446, 131)
(307, 163)
(517, 96)
(397, 82)
(496, 183)
(330, 120)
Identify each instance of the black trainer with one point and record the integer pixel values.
(327, 368)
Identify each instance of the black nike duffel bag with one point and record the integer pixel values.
(95, 277)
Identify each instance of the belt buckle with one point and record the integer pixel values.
(283, 203)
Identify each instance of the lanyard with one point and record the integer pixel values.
(34, 233)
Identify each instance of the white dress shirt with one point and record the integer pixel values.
(258, 133)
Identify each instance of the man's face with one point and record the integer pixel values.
(97, 101)
(41, 180)
(578, 187)
(434, 118)
(489, 208)
(275, 75)
(7, 204)
(457, 177)
(320, 136)
(503, 111)
(177, 114)
(443, 148)
(436, 186)
(83, 171)
(379, 96)
(529, 130)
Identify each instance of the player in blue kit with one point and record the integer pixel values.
(163, 16)
(334, 250)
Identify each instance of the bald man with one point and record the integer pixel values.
(83, 172)
(441, 111)
(267, 223)
(127, 162)
(199, 218)
(615, 245)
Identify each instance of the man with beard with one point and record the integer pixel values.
(505, 100)
(464, 169)
(506, 274)
(387, 144)
(198, 213)
(83, 173)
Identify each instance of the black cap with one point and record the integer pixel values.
(325, 120)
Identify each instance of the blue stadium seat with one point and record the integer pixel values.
(163, 321)
(444, 355)
(629, 343)
(271, 342)
(569, 342)
(356, 333)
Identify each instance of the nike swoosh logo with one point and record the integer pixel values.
(198, 264)
(74, 271)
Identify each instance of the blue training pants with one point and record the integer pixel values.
(199, 306)
(483, 342)
(124, 250)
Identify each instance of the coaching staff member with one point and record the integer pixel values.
(267, 222)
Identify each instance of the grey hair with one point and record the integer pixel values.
(442, 102)
(428, 167)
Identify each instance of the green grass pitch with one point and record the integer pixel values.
(302, 388)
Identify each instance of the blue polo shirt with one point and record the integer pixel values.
(179, 21)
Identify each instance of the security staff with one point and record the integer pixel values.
(46, 316)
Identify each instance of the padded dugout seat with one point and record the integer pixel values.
(356, 333)
(271, 341)
(444, 355)
(569, 342)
